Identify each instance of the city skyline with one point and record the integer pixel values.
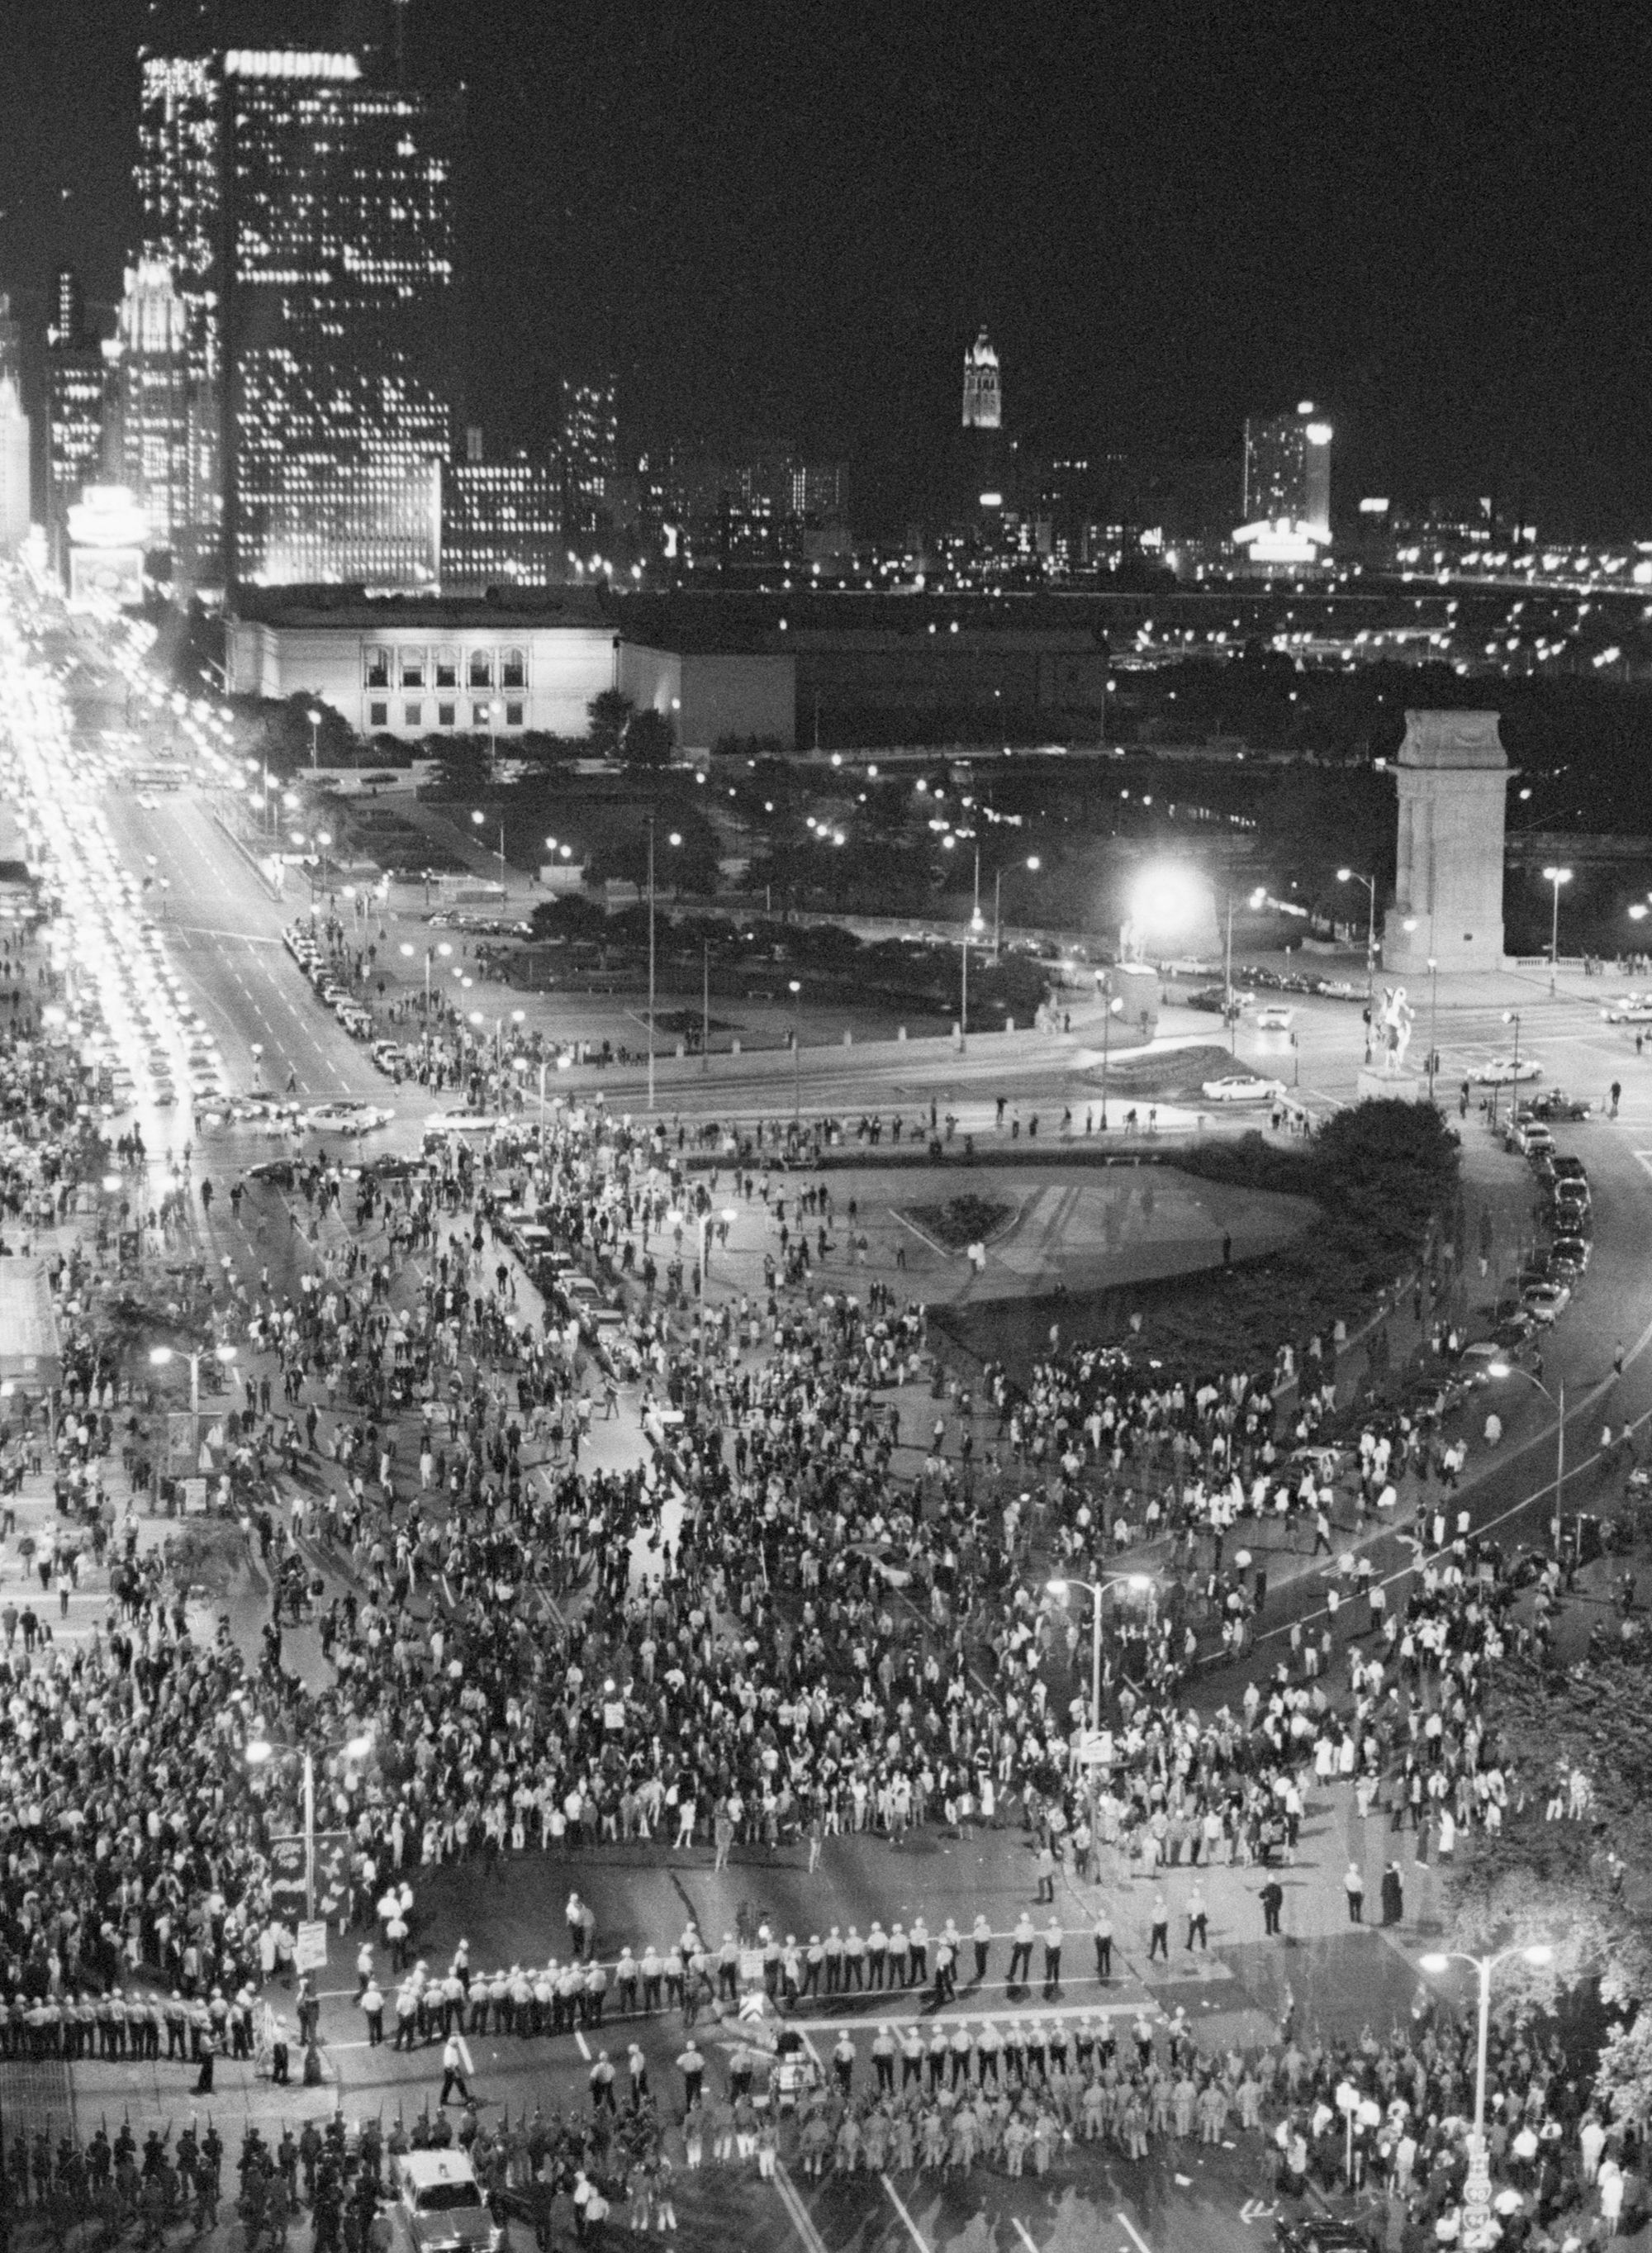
(1396, 226)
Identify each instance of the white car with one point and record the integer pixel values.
(1241, 1087)
(1275, 1018)
(1501, 1072)
(1629, 1009)
(344, 1119)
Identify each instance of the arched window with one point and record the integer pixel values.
(512, 669)
(481, 671)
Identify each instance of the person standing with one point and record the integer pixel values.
(1159, 1941)
(692, 2066)
(456, 2067)
(1354, 1884)
(1273, 1899)
(1393, 1895)
(1197, 1921)
(1104, 1946)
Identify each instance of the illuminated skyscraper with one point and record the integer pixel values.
(14, 466)
(590, 453)
(76, 384)
(1287, 472)
(502, 524)
(11, 343)
(152, 379)
(983, 395)
(305, 211)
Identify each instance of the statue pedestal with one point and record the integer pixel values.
(1392, 1087)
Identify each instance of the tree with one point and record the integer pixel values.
(609, 714)
(650, 739)
(568, 915)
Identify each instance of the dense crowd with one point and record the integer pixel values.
(756, 1633)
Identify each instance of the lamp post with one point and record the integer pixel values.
(314, 718)
(1557, 1401)
(1353, 877)
(1554, 878)
(703, 1222)
(795, 986)
(1139, 1581)
(1509, 1017)
(1113, 1006)
(998, 901)
(258, 1751)
(1476, 2222)
(160, 1354)
(650, 823)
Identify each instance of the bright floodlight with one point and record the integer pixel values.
(1344, 875)
(1541, 1953)
(1140, 1580)
(160, 1354)
(1435, 1963)
(1498, 1369)
(258, 1751)
(359, 1747)
(1168, 900)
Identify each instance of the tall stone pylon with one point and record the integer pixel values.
(1452, 777)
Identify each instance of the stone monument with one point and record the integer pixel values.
(1453, 774)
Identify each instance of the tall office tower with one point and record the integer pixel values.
(306, 213)
(1287, 471)
(75, 417)
(14, 466)
(590, 452)
(180, 107)
(68, 306)
(11, 343)
(152, 381)
(983, 395)
(502, 523)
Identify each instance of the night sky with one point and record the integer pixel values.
(789, 220)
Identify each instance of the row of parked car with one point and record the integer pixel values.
(313, 960)
(1544, 1287)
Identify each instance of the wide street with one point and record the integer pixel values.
(222, 931)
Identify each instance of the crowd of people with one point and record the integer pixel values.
(760, 1626)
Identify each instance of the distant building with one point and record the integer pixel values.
(983, 397)
(412, 667)
(76, 400)
(1286, 499)
(151, 373)
(15, 511)
(591, 454)
(502, 524)
(305, 213)
(11, 343)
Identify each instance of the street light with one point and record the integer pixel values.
(1555, 878)
(160, 1354)
(795, 986)
(314, 718)
(998, 898)
(1114, 1008)
(1353, 877)
(1476, 2222)
(259, 1750)
(1502, 1369)
(703, 1222)
(1139, 1581)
